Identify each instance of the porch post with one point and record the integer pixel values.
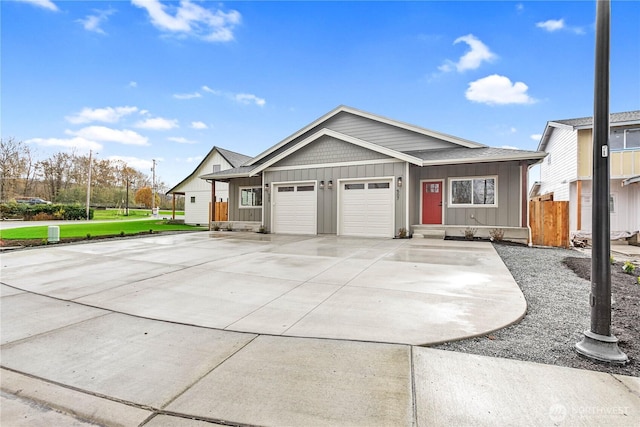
(579, 205)
(173, 206)
(524, 201)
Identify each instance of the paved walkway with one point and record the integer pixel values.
(289, 331)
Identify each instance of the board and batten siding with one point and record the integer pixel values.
(198, 212)
(506, 214)
(244, 214)
(328, 198)
(559, 168)
(329, 150)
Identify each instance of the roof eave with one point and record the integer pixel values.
(533, 159)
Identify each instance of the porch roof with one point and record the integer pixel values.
(462, 155)
(226, 175)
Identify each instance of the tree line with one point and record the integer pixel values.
(63, 178)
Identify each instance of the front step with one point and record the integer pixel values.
(428, 233)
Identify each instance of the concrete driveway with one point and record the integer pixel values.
(416, 291)
(82, 344)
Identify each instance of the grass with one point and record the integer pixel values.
(95, 229)
(118, 214)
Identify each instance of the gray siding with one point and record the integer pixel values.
(373, 131)
(244, 214)
(328, 199)
(507, 214)
(329, 150)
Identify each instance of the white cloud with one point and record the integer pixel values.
(208, 89)
(181, 140)
(187, 95)
(499, 90)
(46, 4)
(93, 22)
(194, 159)
(133, 84)
(105, 134)
(247, 98)
(519, 7)
(510, 147)
(471, 60)
(551, 25)
(134, 162)
(106, 115)
(157, 123)
(536, 136)
(199, 125)
(191, 19)
(78, 142)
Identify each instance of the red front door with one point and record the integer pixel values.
(432, 202)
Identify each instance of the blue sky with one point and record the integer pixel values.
(143, 79)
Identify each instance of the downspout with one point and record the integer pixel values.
(525, 186)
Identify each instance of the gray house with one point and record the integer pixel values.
(353, 173)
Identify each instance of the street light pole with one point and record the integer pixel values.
(89, 187)
(598, 342)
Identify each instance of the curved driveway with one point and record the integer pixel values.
(414, 291)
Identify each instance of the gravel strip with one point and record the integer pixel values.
(557, 314)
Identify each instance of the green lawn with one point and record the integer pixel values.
(95, 229)
(118, 214)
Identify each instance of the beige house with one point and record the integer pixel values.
(198, 192)
(566, 172)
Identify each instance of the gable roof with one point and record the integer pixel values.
(619, 119)
(233, 158)
(360, 113)
(463, 155)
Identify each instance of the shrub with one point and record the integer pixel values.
(402, 233)
(628, 267)
(469, 233)
(33, 212)
(497, 234)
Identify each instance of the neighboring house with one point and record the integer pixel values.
(197, 193)
(353, 173)
(566, 173)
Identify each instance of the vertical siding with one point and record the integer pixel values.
(560, 167)
(506, 214)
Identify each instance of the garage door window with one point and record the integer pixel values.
(306, 188)
(354, 186)
(285, 189)
(250, 197)
(378, 185)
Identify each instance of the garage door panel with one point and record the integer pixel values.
(366, 208)
(295, 209)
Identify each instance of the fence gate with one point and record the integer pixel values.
(222, 211)
(549, 222)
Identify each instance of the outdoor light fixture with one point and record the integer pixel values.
(330, 184)
(266, 186)
(399, 182)
(322, 185)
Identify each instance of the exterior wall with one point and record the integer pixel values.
(559, 168)
(329, 150)
(244, 214)
(508, 213)
(198, 212)
(328, 198)
(372, 131)
(626, 213)
(622, 164)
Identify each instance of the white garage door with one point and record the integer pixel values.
(366, 208)
(295, 208)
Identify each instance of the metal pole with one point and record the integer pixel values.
(598, 343)
(127, 203)
(153, 187)
(89, 187)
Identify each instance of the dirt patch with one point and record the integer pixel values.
(625, 306)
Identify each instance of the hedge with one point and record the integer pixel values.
(44, 212)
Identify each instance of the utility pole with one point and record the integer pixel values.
(598, 343)
(89, 187)
(153, 188)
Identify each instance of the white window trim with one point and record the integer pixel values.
(254, 187)
(450, 203)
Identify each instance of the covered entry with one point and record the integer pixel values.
(294, 208)
(366, 208)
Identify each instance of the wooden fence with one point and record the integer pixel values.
(549, 222)
(222, 211)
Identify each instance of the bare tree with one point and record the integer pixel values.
(15, 165)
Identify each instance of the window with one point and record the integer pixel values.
(477, 191)
(432, 188)
(354, 186)
(193, 199)
(250, 197)
(306, 188)
(624, 139)
(376, 185)
(286, 189)
(612, 203)
(216, 168)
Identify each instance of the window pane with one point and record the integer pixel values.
(251, 197)
(354, 186)
(461, 192)
(632, 138)
(616, 140)
(305, 188)
(374, 185)
(483, 191)
(285, 189)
